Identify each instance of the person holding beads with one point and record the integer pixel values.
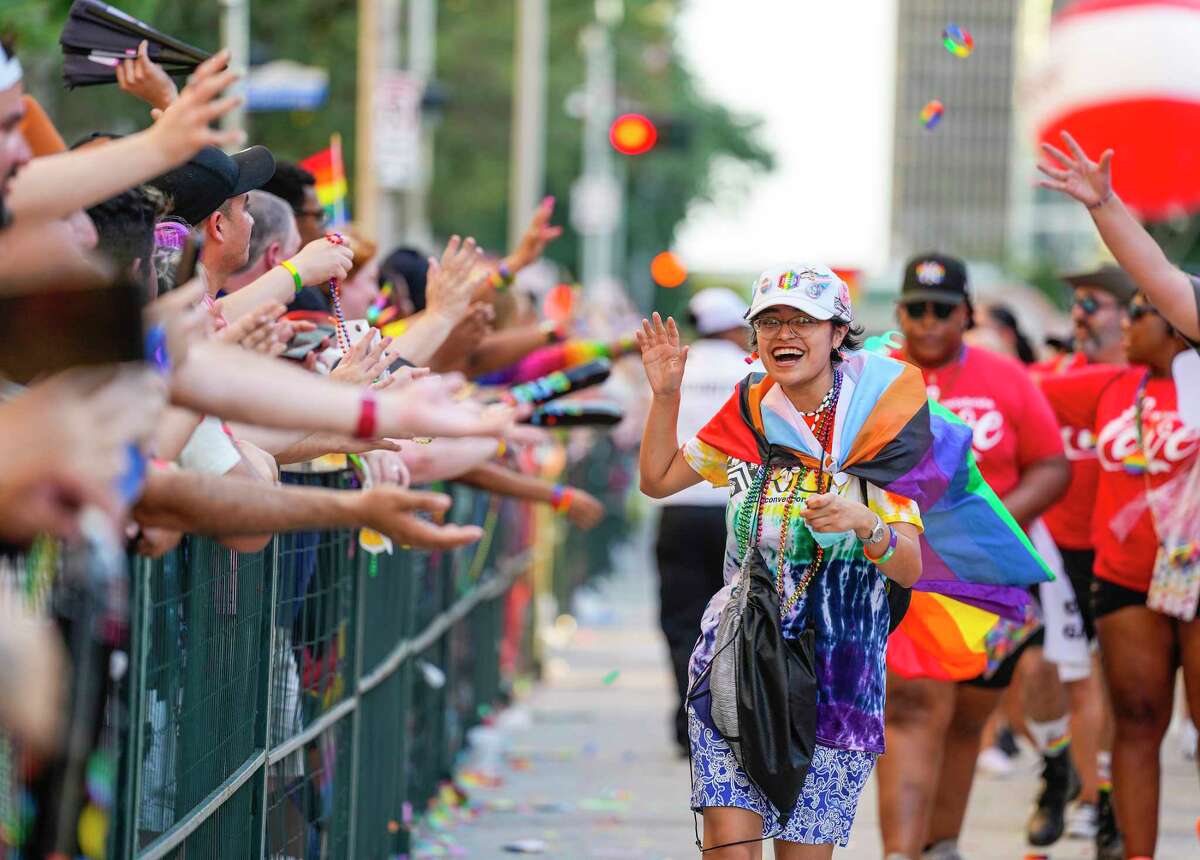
(833, 540)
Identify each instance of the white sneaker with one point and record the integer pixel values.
(994, 762)
(1083, 821)
(947, 849)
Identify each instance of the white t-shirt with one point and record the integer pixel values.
(714, 368)
(209, 449)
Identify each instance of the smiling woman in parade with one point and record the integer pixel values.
(841, 537)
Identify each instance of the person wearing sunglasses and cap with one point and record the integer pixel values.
(1147, 554)
(934, 727)
(1101, 296)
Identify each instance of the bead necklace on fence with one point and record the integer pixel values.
(755, 501)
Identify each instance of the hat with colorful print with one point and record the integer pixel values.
(815, 290)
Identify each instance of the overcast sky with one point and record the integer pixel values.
(820, 74)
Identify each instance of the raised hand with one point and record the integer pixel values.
(185, 126)
(145, 79)
(322, 260)
(662, 356)
(365, 361)
(537, 236)
(453, 280)
(1089, 182)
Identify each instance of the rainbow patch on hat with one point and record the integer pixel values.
(788, 280)
(930, 273)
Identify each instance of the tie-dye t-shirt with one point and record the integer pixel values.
(846, 599)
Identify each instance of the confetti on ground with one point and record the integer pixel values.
(520, 763)
(958, 41)
(932, 114)
(526, 846)
(477, 779)
(610, 677)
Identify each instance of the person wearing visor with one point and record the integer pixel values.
(934, 727)
(830, 541)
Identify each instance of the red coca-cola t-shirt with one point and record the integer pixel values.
(1070, 519)
(1013, 423)
(1170, 447)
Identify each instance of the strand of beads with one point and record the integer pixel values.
(343, 339)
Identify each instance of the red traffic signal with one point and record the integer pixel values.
(632, 134)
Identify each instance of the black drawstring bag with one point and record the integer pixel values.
(776, 694)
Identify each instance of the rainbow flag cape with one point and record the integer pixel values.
(976, 561)
(331, 188)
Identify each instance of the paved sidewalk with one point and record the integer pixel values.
(590, 770)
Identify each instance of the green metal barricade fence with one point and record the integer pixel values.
(300, 702)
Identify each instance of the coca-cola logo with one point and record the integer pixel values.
(1079, 443)
(1167, 439)
(983, 417)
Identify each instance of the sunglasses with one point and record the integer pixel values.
(1136, 312)
(1090, 305)
(941, 310)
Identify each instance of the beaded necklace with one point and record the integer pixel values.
(343, 339)
(752, 506)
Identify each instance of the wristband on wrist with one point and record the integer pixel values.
(502, 277)
(1094, 206)
(893, 539)
(501, 448)
(555, 332)
(366, 417)
(296, 279)
(560, 498)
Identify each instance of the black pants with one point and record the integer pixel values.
(691, 556)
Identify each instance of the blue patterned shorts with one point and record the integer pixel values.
(828, 801)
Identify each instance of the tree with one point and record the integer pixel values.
(475, 65)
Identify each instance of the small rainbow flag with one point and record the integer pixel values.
(327, 167)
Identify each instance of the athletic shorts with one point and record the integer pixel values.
(1078, 565)
(1108, 597)
(1002, 677)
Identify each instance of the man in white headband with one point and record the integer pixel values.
(14, 151)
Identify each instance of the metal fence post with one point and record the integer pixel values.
(262, 728)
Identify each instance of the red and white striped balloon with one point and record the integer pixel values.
(1125, 74)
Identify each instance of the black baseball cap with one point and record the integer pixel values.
(1108, 279)
(199, 187)
(934, 278)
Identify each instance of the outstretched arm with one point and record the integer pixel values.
(218, 505)
(664, 470)
(1090, 182)
(57, 185)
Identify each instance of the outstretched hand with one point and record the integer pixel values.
(389, 510)
(453, 280)
(1089, 182)
(185, 126)
(663, 358)
(537, 236)
(145, 79)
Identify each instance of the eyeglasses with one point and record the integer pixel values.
(941, 310)
(318, 214)
(1136, 312)
(773, 326)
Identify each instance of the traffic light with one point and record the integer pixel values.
(632, 134)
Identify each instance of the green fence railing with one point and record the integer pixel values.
(299, 702)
